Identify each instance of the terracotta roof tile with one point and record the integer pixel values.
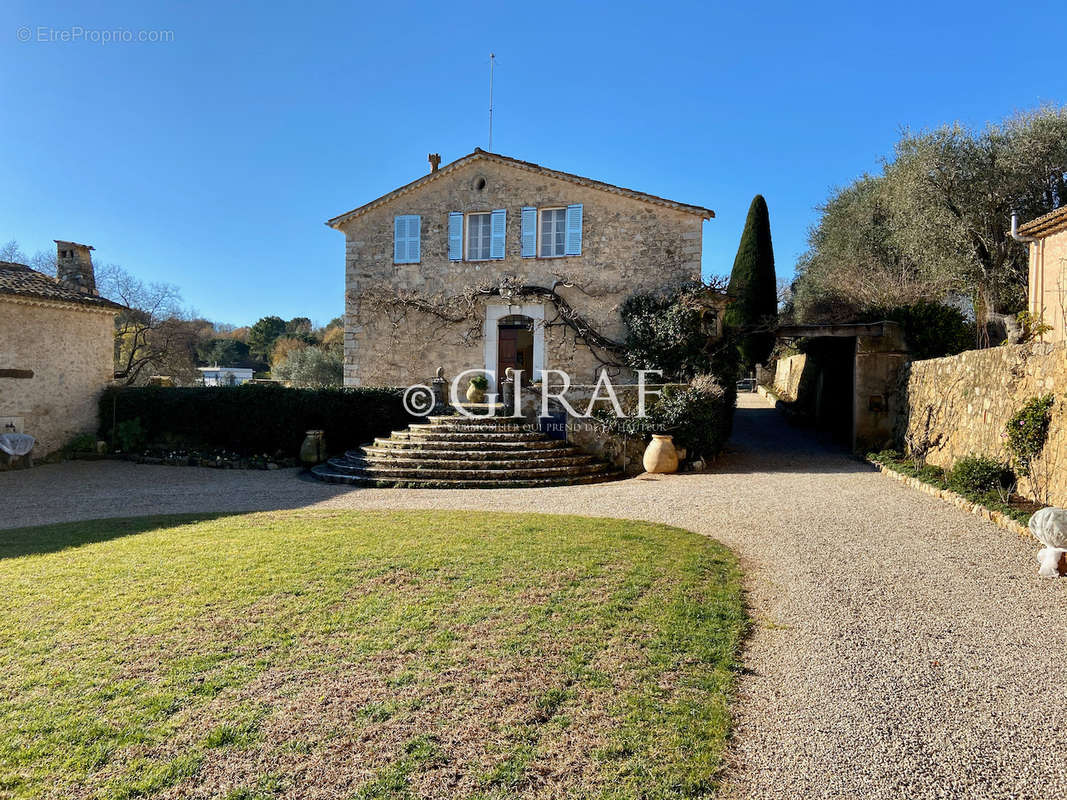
(1047, 224)
(21, 281)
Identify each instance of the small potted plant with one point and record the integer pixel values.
(476, 390)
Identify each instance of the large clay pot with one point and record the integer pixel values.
(660, 455)
(475, 395)
(313, 450)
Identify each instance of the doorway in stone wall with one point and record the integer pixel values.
(515, 337)
(515, 343)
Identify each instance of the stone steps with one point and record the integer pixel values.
(329, 476)
(474, 445)
(477, 472)
(454, 452)
(469, 459)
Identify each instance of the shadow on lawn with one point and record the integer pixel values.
(15, 542)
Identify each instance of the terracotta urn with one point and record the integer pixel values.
(313, 450)
(660, 455)
(475, 395)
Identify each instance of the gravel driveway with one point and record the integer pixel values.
(901, 648)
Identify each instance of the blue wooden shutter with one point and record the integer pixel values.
(415, 238)
(529, 232)
(400, 240)
(498, 229)
(455, 236)
(573, 246)
(406, 239)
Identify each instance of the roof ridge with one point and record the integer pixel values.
(1046, 222)
(706, 213)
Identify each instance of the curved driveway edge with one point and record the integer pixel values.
(901, 648)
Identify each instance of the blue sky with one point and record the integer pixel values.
(212, 160)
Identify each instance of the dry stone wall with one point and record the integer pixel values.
(959, 405)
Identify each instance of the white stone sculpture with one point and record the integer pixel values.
(1049, 526)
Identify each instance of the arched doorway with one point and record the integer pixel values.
(515, 337)
(515, 343)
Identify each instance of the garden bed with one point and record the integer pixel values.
(1011, 512)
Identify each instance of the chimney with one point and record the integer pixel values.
(435, 161)
(74, 267)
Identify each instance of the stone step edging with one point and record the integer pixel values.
(998, 518)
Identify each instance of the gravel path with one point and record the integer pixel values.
(901, 648)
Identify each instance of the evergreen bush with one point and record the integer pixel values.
(247, 419)
(980, 475)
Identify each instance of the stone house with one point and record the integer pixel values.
(1047, 292)
(491, 262)
(57, 338)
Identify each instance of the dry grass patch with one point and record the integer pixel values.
(355, 655)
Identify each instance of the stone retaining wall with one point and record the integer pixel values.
(960, 405)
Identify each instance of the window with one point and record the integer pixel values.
(553, 232)
(479, 237)
(407, 245)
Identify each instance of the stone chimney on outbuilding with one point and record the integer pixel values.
(74, 267)
(435, 161)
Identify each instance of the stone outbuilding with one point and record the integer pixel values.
(491, 262)
(57, 339)
(845, 382)
(1047, 285)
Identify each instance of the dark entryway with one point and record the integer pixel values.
(515, 347)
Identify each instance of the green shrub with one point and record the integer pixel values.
(1027, 431)
(129, 435)
(980, 475)
(480, 382)
(82, 443)
(700, 416)
(253, 418)
(932, 330)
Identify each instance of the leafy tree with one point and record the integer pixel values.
(283, 346)
(311, 368)
(852, 262)
(936, 221)
(224, 352)
(263, 335)
(333, 338)
(753, 288)
(299, 327)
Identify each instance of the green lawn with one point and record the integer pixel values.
(359, 655)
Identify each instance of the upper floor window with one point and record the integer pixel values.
(553, 232)
(407, 235)
(479, 236)
(485, 237)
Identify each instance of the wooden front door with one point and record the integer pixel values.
(515, 350)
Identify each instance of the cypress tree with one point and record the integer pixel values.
(753, 291)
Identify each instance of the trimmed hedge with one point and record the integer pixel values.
(251, 418)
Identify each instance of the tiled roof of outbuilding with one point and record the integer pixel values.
(478, 153)
(1044, 225)
(21, 281)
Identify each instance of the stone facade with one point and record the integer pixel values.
(960, 405)
(69, 348)
(630, 243)
(1047, 296)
